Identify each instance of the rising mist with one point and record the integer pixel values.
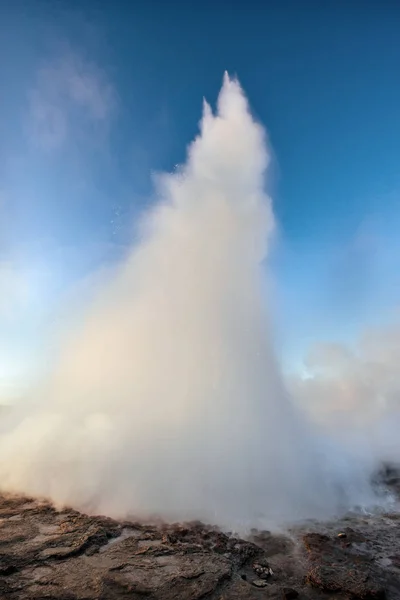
(168, 399)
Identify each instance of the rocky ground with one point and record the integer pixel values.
(65, 555)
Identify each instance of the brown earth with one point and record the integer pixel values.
(65, 555)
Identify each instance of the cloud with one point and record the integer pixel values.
(67, 91)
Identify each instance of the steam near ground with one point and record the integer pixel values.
(167, 399)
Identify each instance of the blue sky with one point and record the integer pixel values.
(97, 96)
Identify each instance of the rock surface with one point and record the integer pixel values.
(65, 555)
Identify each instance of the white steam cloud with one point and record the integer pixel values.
(168, 399)
(356, 390)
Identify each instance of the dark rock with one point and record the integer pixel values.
(388, 476)
(65, 555)
(335, 569)
(395, 561)
(49, 552)
(262, 569)
(289, 593)
(347, 579)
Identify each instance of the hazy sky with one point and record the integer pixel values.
(97, 96)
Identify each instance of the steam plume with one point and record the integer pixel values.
(168, 399)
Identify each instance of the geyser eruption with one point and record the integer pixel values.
(168, 399)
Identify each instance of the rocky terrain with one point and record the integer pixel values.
(65, 555)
